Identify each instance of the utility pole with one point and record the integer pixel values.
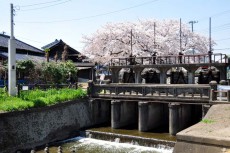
(131, 42)
(193, 22)
(11, 57)
(180, 37)
(154, 42)
(210, 35)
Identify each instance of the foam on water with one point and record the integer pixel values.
(107, 146)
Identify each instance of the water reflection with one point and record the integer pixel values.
(157, 134)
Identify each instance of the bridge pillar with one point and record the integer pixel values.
(138, 71)
(222, 70)
(191, 77)
(115, 74)
(151, 115)
(163, 75)
(173, 118)
(191, 73)
(123, 113)
(100, 111)
(179, 117)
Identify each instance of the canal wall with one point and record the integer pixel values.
(39, 126)
(211, 135)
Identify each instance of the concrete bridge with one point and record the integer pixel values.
(151, 106)
(164, 63)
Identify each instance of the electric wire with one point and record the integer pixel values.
(92, 16)
(214, 15)
(38, 8)
(223, 39)
(214, 29)
(225, 26)
(40, 3)
(222, 49)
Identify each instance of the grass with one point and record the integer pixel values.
(38, 98)
(207, 121)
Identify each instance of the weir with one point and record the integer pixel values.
(149, 116)
(152, 106)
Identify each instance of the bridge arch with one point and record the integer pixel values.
(150, 75)
(204, 75)
(177, 75)
(126, 75)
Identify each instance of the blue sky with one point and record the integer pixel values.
(68, 20)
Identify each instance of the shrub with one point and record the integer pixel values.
(58, 72)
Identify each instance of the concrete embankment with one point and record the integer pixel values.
(211, 135)
(39, 126)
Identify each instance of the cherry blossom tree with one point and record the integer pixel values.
(114, 40)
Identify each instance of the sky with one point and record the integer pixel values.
(40, 22)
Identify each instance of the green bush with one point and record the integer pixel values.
(46, 72)
(53, 72)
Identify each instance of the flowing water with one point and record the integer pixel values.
(113, 144)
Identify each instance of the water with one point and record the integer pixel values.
(159, 134)
(89, 145)
(113, 144)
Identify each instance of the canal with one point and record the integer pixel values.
(110, 144)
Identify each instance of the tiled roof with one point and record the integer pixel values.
(56, 42)
(19, 44)
(24, 57)
(50, 45)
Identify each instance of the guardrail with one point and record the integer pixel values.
(220, 95)
(42, 86)
(171, 59)
(182, 92)
(45, 86)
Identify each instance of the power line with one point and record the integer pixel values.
(218, 28)
(40, 3)
(214, 15)
(93, 16)
(223, 39)
(31, 40)
(223, 49)
(38, 8)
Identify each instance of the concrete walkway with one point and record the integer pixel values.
(211, 135)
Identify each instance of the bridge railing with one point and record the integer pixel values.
(171, 59)
(153, 91)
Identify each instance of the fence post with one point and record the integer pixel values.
(213, 88)
(223, 82)
(90, 89)
(228, 95)
(19, 88)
